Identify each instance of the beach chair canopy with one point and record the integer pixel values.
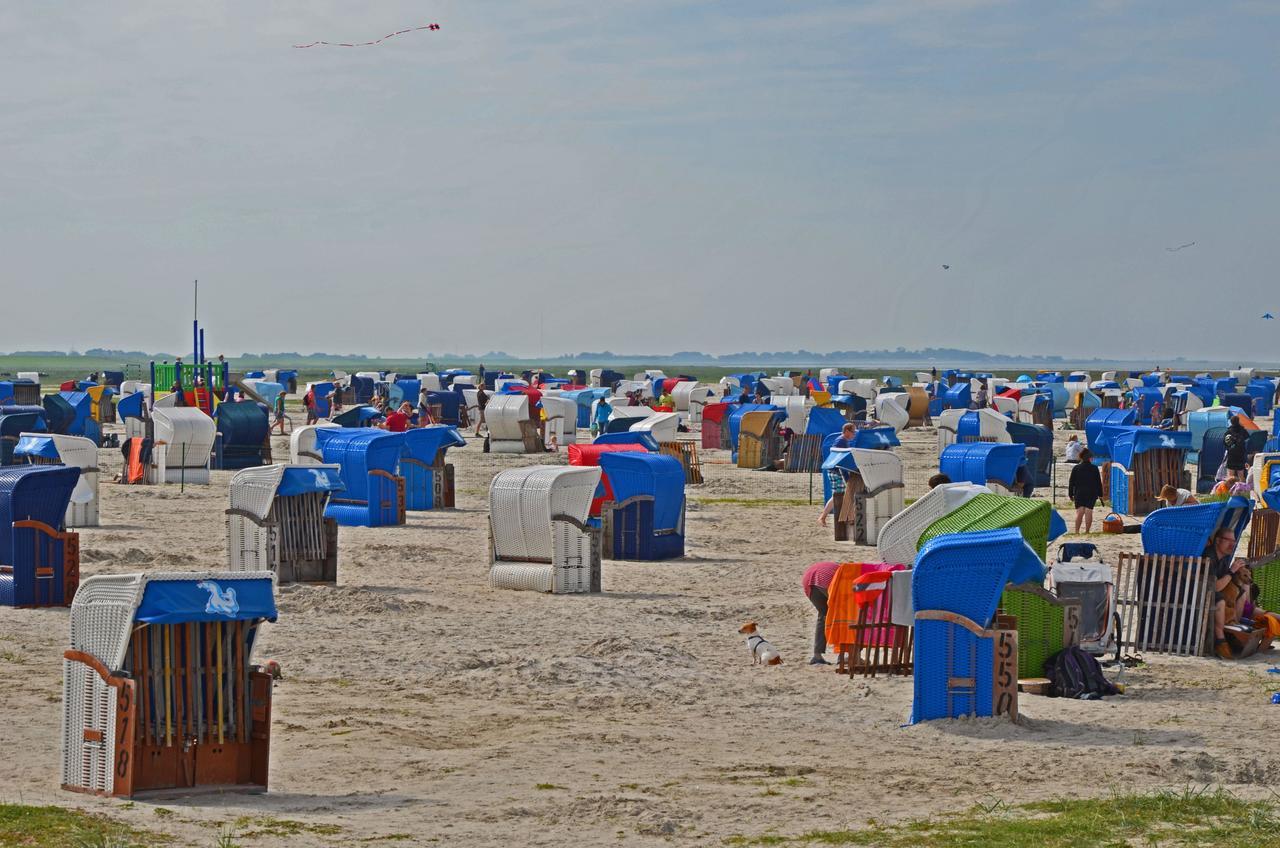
(1186, 530)
(1130, 441)
(965, 573)
(659, 476)
(254, 489)
(424, 443)
(1100, 419)
(645, 440)
(1033, 518)
(357, 416)
(522, 502)
(978, 462)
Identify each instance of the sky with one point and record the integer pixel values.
(643, 176)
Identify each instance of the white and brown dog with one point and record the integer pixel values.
(762, 652)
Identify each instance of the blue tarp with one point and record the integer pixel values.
(315, 478)
(41, 446)
(823, 420)
(180, 601)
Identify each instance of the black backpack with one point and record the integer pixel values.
(1073, 673)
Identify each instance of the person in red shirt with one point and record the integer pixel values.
(398, 421)
(817, 579)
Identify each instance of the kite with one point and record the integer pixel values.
(366, 43)
(1267, 316)
(1179, 247)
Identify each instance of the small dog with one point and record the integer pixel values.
(762, 652)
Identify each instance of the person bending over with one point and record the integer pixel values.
(815, 582)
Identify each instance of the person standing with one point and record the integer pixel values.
(1236, 442)
(815, 582)
(1084, 487)
(482, 400)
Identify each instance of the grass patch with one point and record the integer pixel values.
(546, 786)
(249, 827)
(755, 501)
(1206, 818)
(55, 827)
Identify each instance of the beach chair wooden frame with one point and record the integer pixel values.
(1165, 603)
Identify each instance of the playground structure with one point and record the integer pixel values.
(158, 688)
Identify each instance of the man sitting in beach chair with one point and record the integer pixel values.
(1226, 596)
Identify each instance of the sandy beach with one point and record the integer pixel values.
(418, 706)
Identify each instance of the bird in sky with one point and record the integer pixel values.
(946, 267)
(1179, 247)
(1267, 316)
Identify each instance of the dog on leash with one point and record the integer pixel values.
(762, 652)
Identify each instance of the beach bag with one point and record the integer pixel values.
(1073, 673)
(1112, 524)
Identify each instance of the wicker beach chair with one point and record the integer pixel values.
(39, 561)
(539, 538)
(374, 494)
(276, 522)
(428, 479)
(159, 692)
(645, 519)
(963, 665)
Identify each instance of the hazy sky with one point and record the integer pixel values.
(647, 175)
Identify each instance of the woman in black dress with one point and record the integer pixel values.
(1084, 488)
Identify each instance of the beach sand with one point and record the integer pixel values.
(419, 706)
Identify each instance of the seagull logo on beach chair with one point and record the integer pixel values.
(221, 602)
